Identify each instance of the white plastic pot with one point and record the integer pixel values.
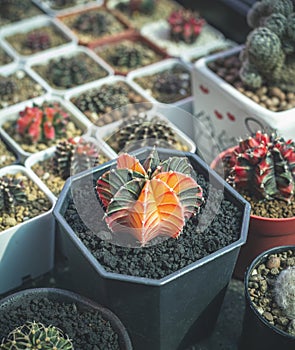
(27, 249)
(67, 53)
(13, 113)
(185, 103)
(225, 114)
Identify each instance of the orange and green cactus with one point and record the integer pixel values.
(150, 199)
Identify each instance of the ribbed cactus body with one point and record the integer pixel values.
(150, 199)
(92, 22)
(263, 165)
(33, 335)
(37, 41)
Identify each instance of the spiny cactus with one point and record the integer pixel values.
(37, 41)
(144, 6)
(263, 165)
(139, 131)
(150, 199)
(106, 99)
(33, 335)
(269, 53)
(68, 72)
(185, 25)
(41, 123)
(284, 291)
(7, 87)
(74, 156)
(96, 23)
(12, 193)
(126, 56)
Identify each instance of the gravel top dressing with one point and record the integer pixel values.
(87, 329)
(170, 255)
(261, 288)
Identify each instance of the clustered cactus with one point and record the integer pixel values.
(35, 335)
(12, 193)
(144, 6)
(262, 165)
(269, 54)
(150, 199)
(284, 291)
(96, 23)
(38, 41)
(126, 56)
(42, 123)
(68, 72)
(138, 131)
(73, 156)
(185, 26)
(106, 99)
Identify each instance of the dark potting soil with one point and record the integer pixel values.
(170, 255)
(269, 97)
(87, 329)
(261, 289)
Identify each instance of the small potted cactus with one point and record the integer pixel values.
(269, 319)
(147, 242)
(261, 168)
(63, 70)
(16, 10)
(25, 206)
(51, 318)
(168, 81)
(181, 31)
(37, 36)
(40, 124)
(250, 91)
(95, 25)
(68, 157)
(140, 130)
(129, 52)
(141, 12)
(97, 100)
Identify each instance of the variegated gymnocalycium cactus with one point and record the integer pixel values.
(263, 165)
(150, 199)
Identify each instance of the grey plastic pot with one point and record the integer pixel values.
(258, 334)
(83, 304)
(170, 313)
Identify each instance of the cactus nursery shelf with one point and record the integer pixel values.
(123, 220)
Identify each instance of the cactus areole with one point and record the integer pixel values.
(150, 199)
(262, 165)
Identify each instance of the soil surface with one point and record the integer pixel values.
(269, 97)
(12, 13)
(36, 204)
(88, 329)
(6, 157)
(261, 289)
(169, 255)
(4, 57)
(21, 87)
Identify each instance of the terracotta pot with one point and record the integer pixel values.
(264, 233)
